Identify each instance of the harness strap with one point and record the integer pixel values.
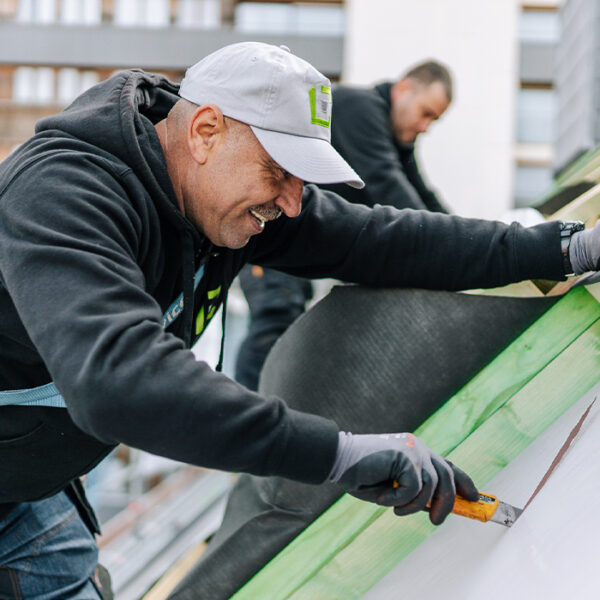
(48, 395)
(45, 395)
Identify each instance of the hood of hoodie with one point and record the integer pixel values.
(118, 115)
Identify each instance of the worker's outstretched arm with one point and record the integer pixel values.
(397, 469)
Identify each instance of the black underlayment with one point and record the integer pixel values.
(373, 360)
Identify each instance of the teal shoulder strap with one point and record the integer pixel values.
(45, 395)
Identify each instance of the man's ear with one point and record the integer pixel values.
(401, 87)
(205, 131)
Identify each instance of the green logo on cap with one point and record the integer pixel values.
(320, 106)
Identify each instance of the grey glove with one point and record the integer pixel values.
(584, 250)
(397, 469)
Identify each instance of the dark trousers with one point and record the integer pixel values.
(275, 300)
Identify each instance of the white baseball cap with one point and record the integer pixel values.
(284, 99)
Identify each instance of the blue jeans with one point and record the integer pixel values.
(47, 552)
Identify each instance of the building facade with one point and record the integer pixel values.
(521, 110)
(577, 81)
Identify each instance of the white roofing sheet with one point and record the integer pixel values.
(551, 552)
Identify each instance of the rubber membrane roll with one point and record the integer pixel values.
(374, 361)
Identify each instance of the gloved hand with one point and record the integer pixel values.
(367, 466)
(584, 250)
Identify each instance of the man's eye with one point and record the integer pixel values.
(285, 174)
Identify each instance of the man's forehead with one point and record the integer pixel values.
(433, 98)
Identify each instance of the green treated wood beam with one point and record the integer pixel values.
(584, 208)
(522, 360)
(585, 166)
(314, 555)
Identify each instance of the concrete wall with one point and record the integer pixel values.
(468, 155)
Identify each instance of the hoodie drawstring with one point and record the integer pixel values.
(219, 366)
(188, 289)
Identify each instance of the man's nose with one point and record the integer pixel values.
(424, 125)
(290, 198)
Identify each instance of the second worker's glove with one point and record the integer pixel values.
(397, 469)
(584, 250)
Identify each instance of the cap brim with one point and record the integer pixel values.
(309, 159)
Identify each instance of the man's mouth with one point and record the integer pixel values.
(263, 214)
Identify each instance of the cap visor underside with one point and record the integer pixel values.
(309, 159)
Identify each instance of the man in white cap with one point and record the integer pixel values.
(123, 221)
(375, 129)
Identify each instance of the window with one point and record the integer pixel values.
(33, 85)
(72, 82)
(252, 17)
(199, 13)
(37, 11)
(142, 13)
(80, 12)
(536, 116)
(541, 25)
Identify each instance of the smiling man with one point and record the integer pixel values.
(123, 222)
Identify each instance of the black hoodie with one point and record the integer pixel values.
(94, 250)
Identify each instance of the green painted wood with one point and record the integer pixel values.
(496, 383)
(482, 397)
(386, 541)
(579, 170)
(585, 168)
(584, 208)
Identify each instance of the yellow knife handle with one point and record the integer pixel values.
(482, 510)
